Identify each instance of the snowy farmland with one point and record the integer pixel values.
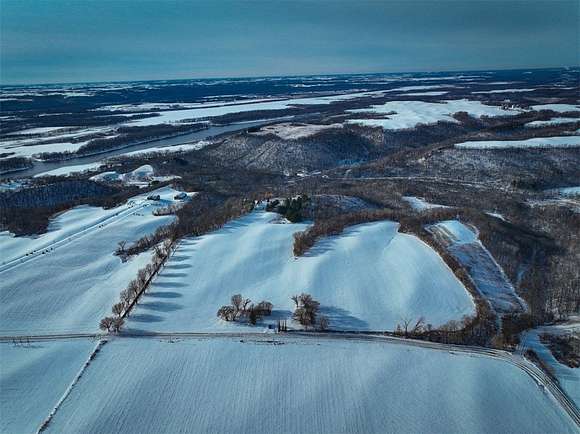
(33, 377)
(537, 142)
(30, 142)
(553, 121)
(71, 170)
(419, 204)
(488, 277)
(408, 114)
(368, 278)
(141, 177)
(212, 111)
(67, 279)
(301, 385)
(289, 131)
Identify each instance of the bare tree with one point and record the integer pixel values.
(306, 309)
(134, 289)
(106, 324)
(227, 313)
(254, 315)
(265, 308)
(237, 301)
(126, 297)
(116, 324)
(142, 277)
(118, 309)
(121, 247)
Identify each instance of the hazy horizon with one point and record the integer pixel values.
(66, 41)
(330, 74)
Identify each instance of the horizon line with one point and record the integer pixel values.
(2, 85)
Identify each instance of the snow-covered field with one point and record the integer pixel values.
(174, 116)
(33, 377)
(488, 277)
(559, 108)
(420, 204)
(504, 91)
(301, 386)
(24, 146)
(537, 142)
(408, 114)
(570, 191)
(368, 278)
(67, 279)
(150, 107)
(553, 121)
(288, 131)
(187, 147)
(70, 170)
(140, 177)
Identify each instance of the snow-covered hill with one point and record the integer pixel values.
(67, 279)
(368, 278)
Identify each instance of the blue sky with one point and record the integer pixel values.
(89, 40)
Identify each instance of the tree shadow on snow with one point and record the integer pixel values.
(171, 266)
(173, 275)
(145, 317)
(279, 315)
(235, 225)
(341, 319)
(327, 244)
(164, 294)
(169, 284)
(160, 306)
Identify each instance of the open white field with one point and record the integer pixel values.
(488, 277)
(173, 116)
(71, 170)
(537, 142)
(400, 115)
(553, 121)
(420, 204)
(67, 279)
(50, 139)
(33, 377)
(368, 278)
(301, 386)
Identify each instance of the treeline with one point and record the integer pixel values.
(291, 208)
(304, 240)
(41, 201)
(53, 194)
(477, 330)
(164, 240)
(136, 287)
(14, 164)
(197, 217)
